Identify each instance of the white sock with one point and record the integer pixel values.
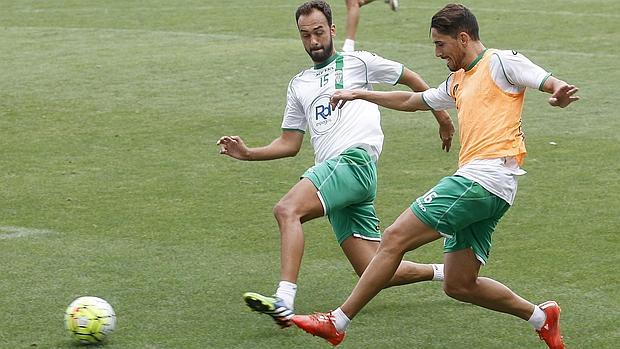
(341, 321)
(437, 272)
(349, 45)
(538, 318)
(287, 290)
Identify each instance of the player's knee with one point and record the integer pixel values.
(280, 210)
(457, 290)
(392, 241)
(283, 211)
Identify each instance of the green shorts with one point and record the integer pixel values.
(347, 187)
(463, 212)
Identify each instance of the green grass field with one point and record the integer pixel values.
(111, 184)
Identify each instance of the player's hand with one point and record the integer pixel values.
(564, 96)
(446, 132)
(446, 128)
(234, 147)
(339, 98)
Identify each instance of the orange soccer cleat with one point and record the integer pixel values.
(550, 332)
(320, 324)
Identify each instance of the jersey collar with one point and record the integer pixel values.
(327, 62)
(475, 61)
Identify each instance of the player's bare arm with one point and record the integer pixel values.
(446, 128)
(562, 94)
(287, 145)
(397, 100)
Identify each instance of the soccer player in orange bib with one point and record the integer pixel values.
(487, 87)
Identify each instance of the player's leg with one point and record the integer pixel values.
(405, 234)
(299, 205)
(352, 22)
(462, 282)
(358, 225)
(360, 252)
(325, 187)
(463, 258)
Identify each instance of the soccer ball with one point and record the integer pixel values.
(90, 319)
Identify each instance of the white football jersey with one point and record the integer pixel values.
(357, 124)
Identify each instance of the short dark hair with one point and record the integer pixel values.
(307, 8)
(454, 19)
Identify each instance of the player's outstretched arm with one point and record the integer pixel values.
(288, 144)
(562, 94)
(397, 100)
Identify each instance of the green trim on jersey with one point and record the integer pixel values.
(327, 62)
(472, 64)
(339, 81)
(402, 72)
(294, 129)
(501, 64)
(542, 84)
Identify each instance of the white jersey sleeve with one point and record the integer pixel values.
(513, 72)
(380, 70)
(439, 98)
(294, 116)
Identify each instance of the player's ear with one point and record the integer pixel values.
(333, 30)
(463, 38)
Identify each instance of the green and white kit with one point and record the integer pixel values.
(347, 142)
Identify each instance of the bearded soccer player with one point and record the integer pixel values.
(487, 87)
(347, 143)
